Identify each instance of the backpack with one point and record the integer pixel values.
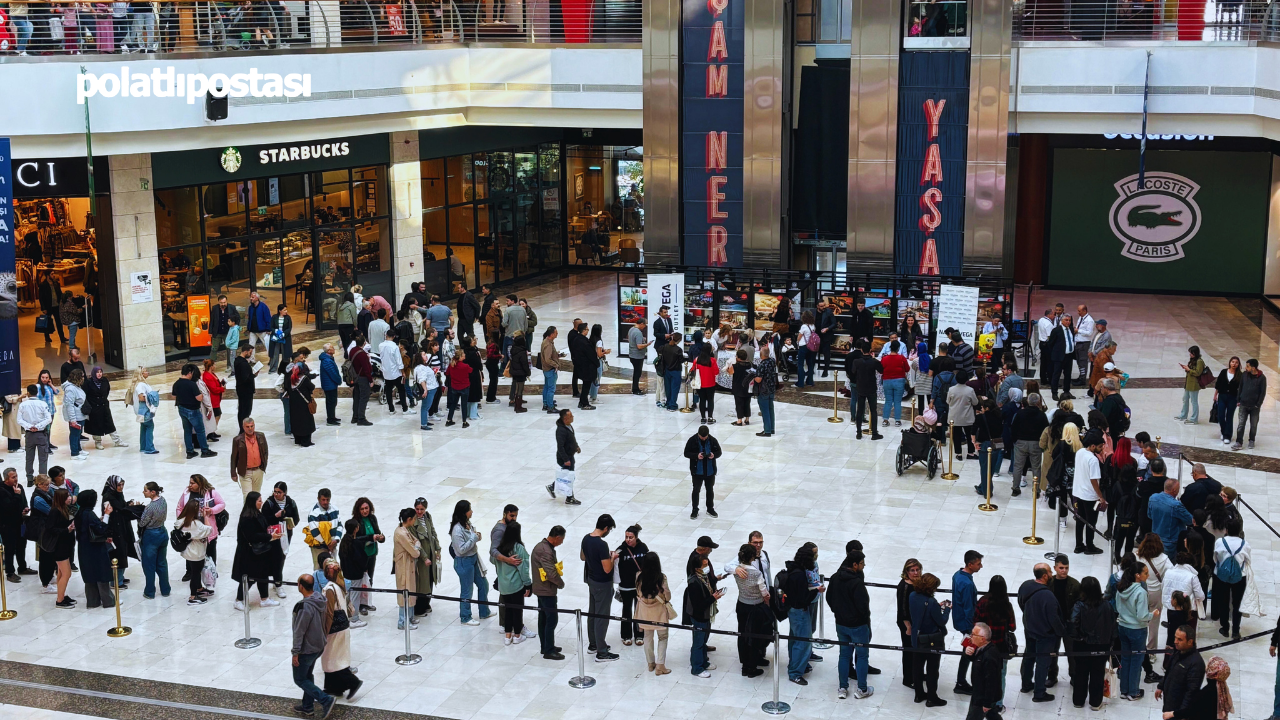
(814, 341)
(348, 373)
(1229, 570)
(1123, 421)
(179, 539)
(941, 384)
(778, 598)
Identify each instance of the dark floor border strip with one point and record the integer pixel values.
(56, 688)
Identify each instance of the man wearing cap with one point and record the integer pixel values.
(1085, 328)
(702, 450)
(705, 546)
(964, 605)
(1086, 494)
(1101, 338)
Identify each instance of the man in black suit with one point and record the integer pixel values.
(585, 362)
(1060, 348)
(244, 375)
(662, 330)
(826, 332)
(863, 325)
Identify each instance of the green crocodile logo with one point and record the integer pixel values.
(1143, 215)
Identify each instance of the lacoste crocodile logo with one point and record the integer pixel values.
(1154, 221)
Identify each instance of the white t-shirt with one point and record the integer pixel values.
(389, 351)
(425, 376)
(805, 332)
(1087, 468)
(140, 392)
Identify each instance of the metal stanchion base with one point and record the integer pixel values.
(686, 410)
(776, 708)
(949, 476)
(988, 507)
(582, 682)
(833, 420)
(119, 631)
(1051, 556)
(408, 659)
(1032, 540)
(246, 643)
(8, 614)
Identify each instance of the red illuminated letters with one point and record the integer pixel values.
(717, 81)
(933, 114)
(717, 240)
(715, 184)
(717, 143)
(717, 47)
(931, 198)
(717, 151)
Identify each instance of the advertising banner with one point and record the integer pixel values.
(957, 307)
(933, 131)
(1198, 223)
(712, 115)
(666, 290)
(10, 368)
(198, 321)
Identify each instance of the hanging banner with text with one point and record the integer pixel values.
(711, 91)
(665, 290)
(933, 132)
(10, 368)
(957, 307)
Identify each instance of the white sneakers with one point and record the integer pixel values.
(506, 640)
(528, 633)
(472, 621)
(268, 602)
(517, 639)
(239, 606)
(280, 592)
(860, 694)
(357, 622)
(81, 457)
(49, 590)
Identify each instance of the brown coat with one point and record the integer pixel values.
(1101, 358)
(653, 609)
(239, 454)
(543, 558)
(406, 553)
(492, 321)
(551, 357)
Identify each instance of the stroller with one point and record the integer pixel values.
(919, 446)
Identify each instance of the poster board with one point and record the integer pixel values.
(665, 290)
(958, 308)
(633, 306)
(735, 308)
(198, 321)
(699, 311)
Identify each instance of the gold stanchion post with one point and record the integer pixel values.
(1032, 539)
(835, 398)
(987, 506)
(1157, 443)
(688, 407)
(5, 612)
(951, 454)
(119, 630)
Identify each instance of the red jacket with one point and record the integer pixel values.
(360, 364)
(895, 366)
(459, 376)
(216, 388)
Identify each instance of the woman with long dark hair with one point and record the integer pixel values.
(597, 342)
(301, 416)
(492, 361)
(1093, 625)
(368, 530)
(1226, 394)
(996, 611)
(806, 359)
(280, 509)
(59, 535)
(707, 368)
(741, 372)
(515, 583)
(631, 553)
(93, 539)
(1134, 615)
(199, 488)
(475, 391)
(909, 332)
(1193, 367)
(257, 555)
(194, 553)
(1150, 552)
(699, 606)
(463, 540)
(653, 597)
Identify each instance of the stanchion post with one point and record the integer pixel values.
(248, 641)
(987, 506)
(5, 612)
(409, 657)
(119, 630)
(688, 406)
(776, 706)
(1157, 444)
(822, 632)
(1032, 539)
(1057, 536)
(582, 681)
(835, 398)
(951, 453)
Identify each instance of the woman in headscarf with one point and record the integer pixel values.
(336, 658)
(1213, 700)
(120, 525)
(919, 376)
(301, 406)
(93, 538)
(257, 555)
(427, 571)
(97, 395)
(695, 348)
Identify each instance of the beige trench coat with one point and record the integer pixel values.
(406, 553)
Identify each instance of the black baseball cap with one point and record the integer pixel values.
(706, 542)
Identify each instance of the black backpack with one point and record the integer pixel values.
(179, 539)
(778, 598)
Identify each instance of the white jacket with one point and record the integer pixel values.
(199, 544)
(1158, 569)
(1184, 578)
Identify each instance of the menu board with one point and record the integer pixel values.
(958, 308)
(633, 307)
(198, 321)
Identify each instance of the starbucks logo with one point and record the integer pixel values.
(1154, 220)
(230, 159)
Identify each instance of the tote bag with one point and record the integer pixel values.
(564, 481)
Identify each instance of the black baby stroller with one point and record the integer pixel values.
(918, 446)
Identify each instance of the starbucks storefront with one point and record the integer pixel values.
(298, 223)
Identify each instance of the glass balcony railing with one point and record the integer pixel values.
(30, 28)
(1158, 20)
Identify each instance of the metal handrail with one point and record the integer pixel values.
(1149, 20)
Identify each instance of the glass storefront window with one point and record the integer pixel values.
(459, 179)
(177, 216)
(433, 183)
(936, 24)
(224, 210)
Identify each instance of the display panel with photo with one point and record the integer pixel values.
(699, 309)
(919, 308)
(734, 309)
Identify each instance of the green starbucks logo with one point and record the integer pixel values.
(230, 159)
(1155, 220)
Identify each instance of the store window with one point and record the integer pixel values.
(936, 24)
(300, 240)
(605, 190)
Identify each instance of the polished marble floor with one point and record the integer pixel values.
(811, 482)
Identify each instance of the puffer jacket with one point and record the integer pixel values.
(72, 400)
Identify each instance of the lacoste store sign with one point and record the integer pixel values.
(245, 162)
(1197, 223)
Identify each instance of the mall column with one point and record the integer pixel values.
(134, 224)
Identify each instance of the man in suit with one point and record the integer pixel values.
(50, 298)
(585, 362)
(1044, 326)
(662, 329)
(244, 375)
(863, 325)
(826, 332)
(468, 312)
(1060, 350)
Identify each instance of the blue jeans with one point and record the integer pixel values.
(893, 390)
(766, 411)
(1131, 665)
(155, 546)
(469, 576)
(72, 328)
(982, 462)
(74, 435)
(1191, 397)
(1276, 710)
(805, 361)
(146, 436)
(860, 634)
(192, 420)
(549, 389)
(698, 652)
(302, 677)
(800, 624)
(425, 406)
(672, 379)
(595, 386)
(24, 27)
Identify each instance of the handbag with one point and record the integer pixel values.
(311, 405)
(340, 621)
(1213, 413)
(564, 481)
(221, 519)
(44, 323)
(260, 548)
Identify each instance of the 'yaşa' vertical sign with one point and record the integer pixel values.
(712, 120)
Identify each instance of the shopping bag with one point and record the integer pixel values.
(209, 574)
(1109, 682)
(564, 481)
(44, 323)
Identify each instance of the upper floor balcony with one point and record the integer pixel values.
(1146, 21)
(57, 30)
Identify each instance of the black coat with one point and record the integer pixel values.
(988, 672)
(1094, 625)
(1183, 679)
(50, 295)
(95, 558)
(256, 566)
(847, 597)
(1041, 616)
(243, 370)
(98, 395)
(12, 503)
(519, 365)
(583, 355)
(352, 557)
(864, 325)
(218, 318)
(270, 507)
(476, 390)
(692, 447)
(566, 446)
(120, 524)
(287, 343)
(862, 369)
(301, 421)
(1057, 348)
(468, 309)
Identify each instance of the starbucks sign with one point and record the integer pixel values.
(1197, 222)
(1155, 218)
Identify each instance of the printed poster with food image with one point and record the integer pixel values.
(699, 311)
(633, 307)
(735, 309)
(198, 321)
(765, 304)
